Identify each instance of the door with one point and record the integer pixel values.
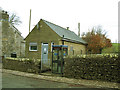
(56, 61)
(44, 57)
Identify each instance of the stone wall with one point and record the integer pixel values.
(42, 35)
(19, 43)
(0, 32)
(12, 41)
(0, 38)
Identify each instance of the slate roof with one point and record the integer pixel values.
(68, 35)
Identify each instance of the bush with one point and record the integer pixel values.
(22, 64)
(95, 67)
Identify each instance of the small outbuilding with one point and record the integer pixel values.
(45, 34)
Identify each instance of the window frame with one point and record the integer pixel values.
(33, 44)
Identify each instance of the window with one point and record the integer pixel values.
(71, 48)
(33, 47)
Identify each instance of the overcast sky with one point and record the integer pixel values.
(67, 13)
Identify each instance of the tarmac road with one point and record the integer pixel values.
(14, 81)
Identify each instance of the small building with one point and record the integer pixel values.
(11, 41)
(40, 40)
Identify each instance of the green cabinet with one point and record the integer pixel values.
(58, 54)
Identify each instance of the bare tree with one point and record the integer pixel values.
(14, 19)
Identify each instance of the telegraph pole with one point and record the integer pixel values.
(29, 20)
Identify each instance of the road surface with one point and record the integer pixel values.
(14, 81)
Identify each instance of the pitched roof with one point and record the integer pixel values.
(68, 35)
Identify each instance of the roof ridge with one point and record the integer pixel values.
(62, 31)
(56, 25)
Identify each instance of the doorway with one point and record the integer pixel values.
(45, 65)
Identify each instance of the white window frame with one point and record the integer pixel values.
(33, 44)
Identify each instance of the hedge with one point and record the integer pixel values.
(22, 64)
(93, 67)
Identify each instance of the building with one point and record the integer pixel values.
(11, 41)
(40, 40)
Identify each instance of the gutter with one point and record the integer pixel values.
(73, 41)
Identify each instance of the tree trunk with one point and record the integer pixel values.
(100, 50)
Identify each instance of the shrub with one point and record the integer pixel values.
(96, 67)
(22, 64)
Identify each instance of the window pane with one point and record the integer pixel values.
(33, 47)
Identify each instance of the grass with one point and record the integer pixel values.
(113, 49)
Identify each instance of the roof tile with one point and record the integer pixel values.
(67, 33)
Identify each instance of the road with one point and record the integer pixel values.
(13, 81)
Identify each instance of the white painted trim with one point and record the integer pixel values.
(32, 50)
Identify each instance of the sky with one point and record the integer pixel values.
(67, 13)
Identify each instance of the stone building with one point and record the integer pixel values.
(45, 34)
(11, 40)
